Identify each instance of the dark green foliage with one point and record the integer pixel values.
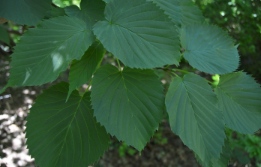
(28, 12)
(191, 105)
(65, 133)
(82, 70)
(56, 42)
(139, 34)
(241, 19)
(4, 36)
(128, 101)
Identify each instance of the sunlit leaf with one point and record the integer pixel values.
(128, 103)
(63, 133)
(28, 12)
(139, 34)
(194, 116)
(240, 100)
(45, 51)
(209, 49)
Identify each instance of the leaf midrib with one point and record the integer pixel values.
(194, 116)
(141, 38)
(81, 97)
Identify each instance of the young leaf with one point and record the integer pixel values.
(28, 12)
(91, 11)
(45, 51)
(4, 36)
(209, 49)
(81, 70)
(240, 100)
(194, 116)
(64, 134)
(139, 34)
(181, 12)
(128, 103)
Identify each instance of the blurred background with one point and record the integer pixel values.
(240, 18)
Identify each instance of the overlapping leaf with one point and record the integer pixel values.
(209, 49)
(194, 116)
(181, 12)
(222, 161)
(4, 36)
(240, 100)
(28, 12)
(47, 50)
(91, 11)
(128, 103)
(224, 156)
(63, 133)
(81, 70)
(55, 12)
(139, 34)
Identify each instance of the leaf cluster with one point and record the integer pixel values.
(65, 128)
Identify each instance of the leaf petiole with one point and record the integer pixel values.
(88, 87)
(186, 72)
(119, 65)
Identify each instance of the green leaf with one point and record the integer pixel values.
(190, 13)
(55, 12)
(47, 50)
(107, 1)
(240, 100)
(224, 156)
(181, 12)
(194, 116)
(4, 36)
(209, 49)
(139, 34)
(91, 11)
(63, 133)
(81, 70)
(128, 103)
(203, 163)
(222, 161)
(28, 12)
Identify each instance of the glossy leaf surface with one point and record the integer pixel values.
(47, 50)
